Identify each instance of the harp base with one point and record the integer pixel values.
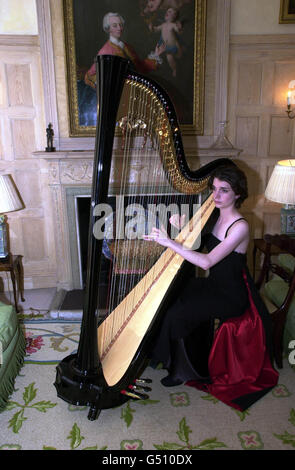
(80, 390)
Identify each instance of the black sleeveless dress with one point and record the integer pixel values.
(183, 342)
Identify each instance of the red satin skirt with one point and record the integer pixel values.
(239, 365)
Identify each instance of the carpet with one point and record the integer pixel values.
(179, 418)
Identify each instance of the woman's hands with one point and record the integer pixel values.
(159, 236)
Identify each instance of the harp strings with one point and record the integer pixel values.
(123, 277)
(143, 146)
(122, 267)
(115, 281)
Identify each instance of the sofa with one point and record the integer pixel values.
(12, 351)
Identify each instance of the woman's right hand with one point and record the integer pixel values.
(158, 235)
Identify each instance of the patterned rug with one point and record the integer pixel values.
(179, 418)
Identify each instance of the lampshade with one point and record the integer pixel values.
(281, 186)
(10, 199)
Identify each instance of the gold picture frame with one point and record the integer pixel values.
(287, 11)
(84, 36)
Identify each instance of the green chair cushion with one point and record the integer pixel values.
(276, 291)
(287, 262)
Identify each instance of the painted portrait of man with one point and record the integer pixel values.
(157, 36)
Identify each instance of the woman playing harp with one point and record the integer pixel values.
(222, 295)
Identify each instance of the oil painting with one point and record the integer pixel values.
(287, 11)
(163, 39)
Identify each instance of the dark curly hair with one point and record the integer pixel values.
(235, 177)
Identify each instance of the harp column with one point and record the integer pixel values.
(78, 380)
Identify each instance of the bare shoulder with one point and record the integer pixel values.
(240, 226)
(243, 223)
(238, 236)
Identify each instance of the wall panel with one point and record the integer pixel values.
(23, 132)
(261, 68)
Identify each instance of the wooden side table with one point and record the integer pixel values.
(261, 245)
(14, 265)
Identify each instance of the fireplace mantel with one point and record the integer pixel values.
(75, 167)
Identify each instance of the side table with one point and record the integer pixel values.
(13, 264)
(261, 245)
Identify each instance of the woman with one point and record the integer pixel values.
(224, 294)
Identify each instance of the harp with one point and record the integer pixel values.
(112, 346)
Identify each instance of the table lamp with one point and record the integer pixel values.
(10, 201)
(281, 188)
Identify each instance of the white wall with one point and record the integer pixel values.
(18, 17)
(257, 17)
(247, 17)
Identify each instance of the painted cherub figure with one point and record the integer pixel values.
(170, 29)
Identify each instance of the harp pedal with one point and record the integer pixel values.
(135, 396)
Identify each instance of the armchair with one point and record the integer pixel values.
(279, 290)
